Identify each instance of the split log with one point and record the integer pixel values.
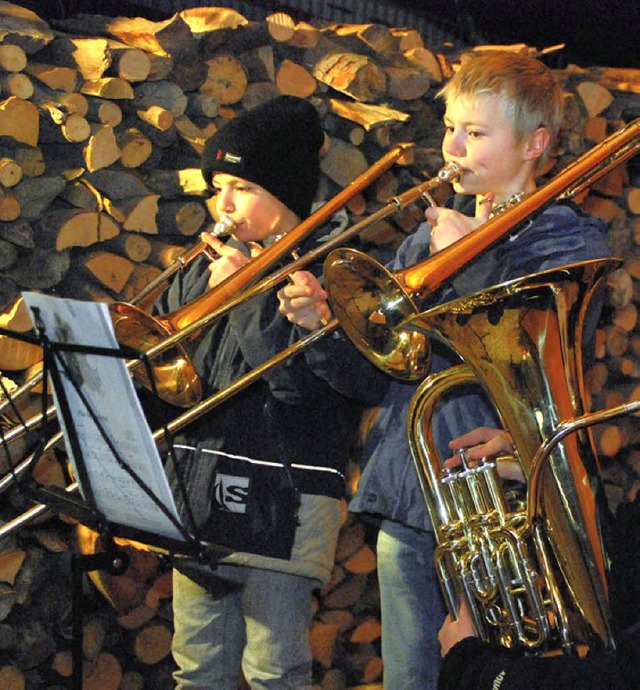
(372, 39)
(113, 88)
(205, 20)
(343, 162)
(160, 38)
(153, 643)
(91, 57)
(102, 149)
(280, 27)
(66, 103)
(181, 217)
(30, 159)
(139, 214)
(174, 183)
(406, 84)
(165, 94)
(10, 208)
(117, 184)
(226, 80)
(293, 79)
(17, 84)
(56, 127)
(67, 228)
(352, 74)
(135, 147)
(322, 640)
(191, 133)
(141, 276)
(367, 631)
(13, 58)
(103, 111)
(130, 64)
(112, 271)
(10, 172)
(53, 76)
(368, 115)
(103, 674)
(304, 36)
(201, 105)
(132, 245)
(16, 355)
(596, 98)
(20, 120)
(157, 117)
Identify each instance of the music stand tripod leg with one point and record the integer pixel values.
(113, 561)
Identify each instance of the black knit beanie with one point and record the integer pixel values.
(275, 145)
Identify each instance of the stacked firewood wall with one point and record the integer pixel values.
(101, 125)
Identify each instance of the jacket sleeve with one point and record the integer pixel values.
(262, 332)
(474, 665)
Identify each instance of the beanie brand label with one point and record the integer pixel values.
(228, 157)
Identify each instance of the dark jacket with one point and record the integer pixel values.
(290, 418)
(388, 487)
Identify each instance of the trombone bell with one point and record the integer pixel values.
(370, 303)
(175, 377)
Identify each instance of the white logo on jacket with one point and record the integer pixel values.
(231, 492)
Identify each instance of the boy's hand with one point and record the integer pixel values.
(303, 301)
(452, 631)
(227, 259)
(448, 226)
(485, 442)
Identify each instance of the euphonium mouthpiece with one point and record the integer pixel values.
(224, 226)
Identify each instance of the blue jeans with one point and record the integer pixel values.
(262, 627)
(412, 607)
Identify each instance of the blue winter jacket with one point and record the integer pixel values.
(388, 487)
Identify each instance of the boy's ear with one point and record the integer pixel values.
(536, 143)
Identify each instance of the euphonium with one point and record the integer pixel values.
(533, 570)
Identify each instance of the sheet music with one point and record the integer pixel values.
(108, 389)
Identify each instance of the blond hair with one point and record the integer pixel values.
(527, 90)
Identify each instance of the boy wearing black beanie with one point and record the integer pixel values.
(264, 471)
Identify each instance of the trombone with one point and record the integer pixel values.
(132, 324)
(371, 303)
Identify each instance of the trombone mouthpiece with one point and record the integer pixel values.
(224, 226)
(450, 172)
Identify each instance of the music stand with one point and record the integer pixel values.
(124, 490)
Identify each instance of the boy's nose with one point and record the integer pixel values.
(454, 146)
(225, 202)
